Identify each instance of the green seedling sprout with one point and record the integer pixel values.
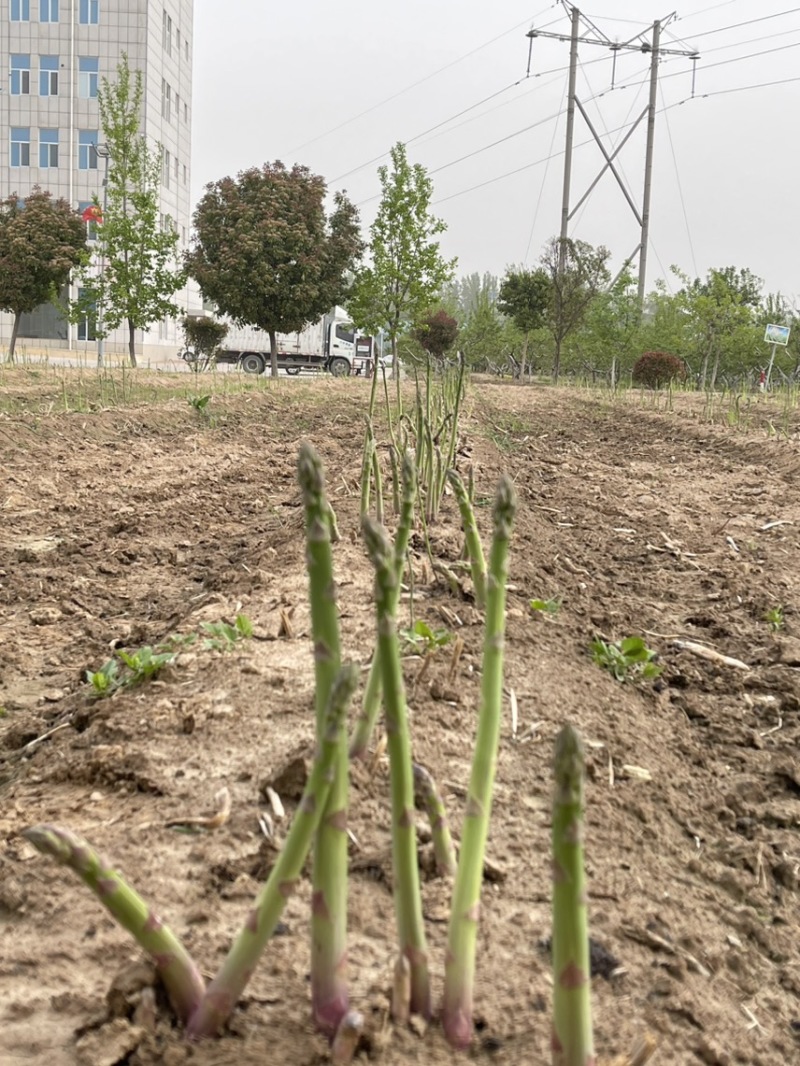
(371, 703)
(422, 638)
(407, 898)
(443, 850)
(572, 1041)
(774, 618)
(222, 636)
(177, 970)
(329, 996)
(628, 659)
(463, 929)
(227, 986)
(548, 607)
(474, 546)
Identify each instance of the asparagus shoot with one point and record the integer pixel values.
(572, 1039)
(463, 929)
(227, 986)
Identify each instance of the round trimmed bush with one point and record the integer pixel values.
(653, 370)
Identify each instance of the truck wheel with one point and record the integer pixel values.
(252, 363)
(293, 370)
(340, 368)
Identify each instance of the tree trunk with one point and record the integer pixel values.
(714, 371)
(524, 356)
(614, 373)
(396, 372)
(557, 361)
(273, 353)
(14, 331)
(132, 342)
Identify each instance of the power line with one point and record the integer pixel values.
(544, 177)
(582, 144)
(414, 85)
(678, 183)
(741, 25)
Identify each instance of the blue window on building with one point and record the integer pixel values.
(20, 75)
(89, 14)
(88, 70)
(48, 75)
(48, 10)
(87, 149)
(20, 10)
(20, 147)
(48, 148)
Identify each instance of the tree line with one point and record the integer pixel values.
(268, 252)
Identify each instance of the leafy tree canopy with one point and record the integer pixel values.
(437, 333)
(265, 252)
(41, 240)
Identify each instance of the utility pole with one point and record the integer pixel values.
(595, 36)
(648, 161)
(573, 75)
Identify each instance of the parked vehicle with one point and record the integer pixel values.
(329, 344)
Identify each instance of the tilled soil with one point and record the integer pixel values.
(125, 527)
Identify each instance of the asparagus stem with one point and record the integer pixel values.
(371, 704)
(346, 1040)
(572, 1010)
(408, 901)
(474, 546)
(366, 469)
(176, 968)
(224, 991)
(401, 991)
(378, 477)
(329, 996)
(393, 459)
(465, 911)
(443, 849)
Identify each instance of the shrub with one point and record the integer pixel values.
(203, 336)
(653, 370)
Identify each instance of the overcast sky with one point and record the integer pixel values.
(333, 86)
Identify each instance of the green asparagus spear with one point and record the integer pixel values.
(443, 849)
(408, 901)
(474, 546)
(329, 997)
(465, 911)
(225, 989)
(572, 1009)
(177, 970)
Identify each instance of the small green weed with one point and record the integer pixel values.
(422, 638)
(139, 665)
(222, 636)
(774, 618)
(552, 606)
(628, 660)
(199, 403)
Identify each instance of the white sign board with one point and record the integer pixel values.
(777, 335)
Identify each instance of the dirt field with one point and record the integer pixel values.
(125, 526)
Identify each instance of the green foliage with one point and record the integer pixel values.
(654, 370)
(628, 659)
(139, 666)
(407, 272)
(41, 240)
(421, 637)
(774, 618)
(551, 607)
(525, 297)
(141, 272)
(199, 403)
(437, 333)
(266, 253)
(222, 636)
(204, 337)
(577, 273)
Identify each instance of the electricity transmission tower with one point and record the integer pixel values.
(584, 31)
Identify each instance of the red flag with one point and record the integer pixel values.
(93, 213)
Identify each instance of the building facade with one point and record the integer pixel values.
(54, 56)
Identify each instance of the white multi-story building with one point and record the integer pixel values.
(53, 57)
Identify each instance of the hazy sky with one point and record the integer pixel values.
(333, 86)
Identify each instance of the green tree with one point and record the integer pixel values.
(524, 298)
(140, 272)
(610, 337)
(203, 336)
(267, 255)
(407, 272)
(41, 241)
(577, 273)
